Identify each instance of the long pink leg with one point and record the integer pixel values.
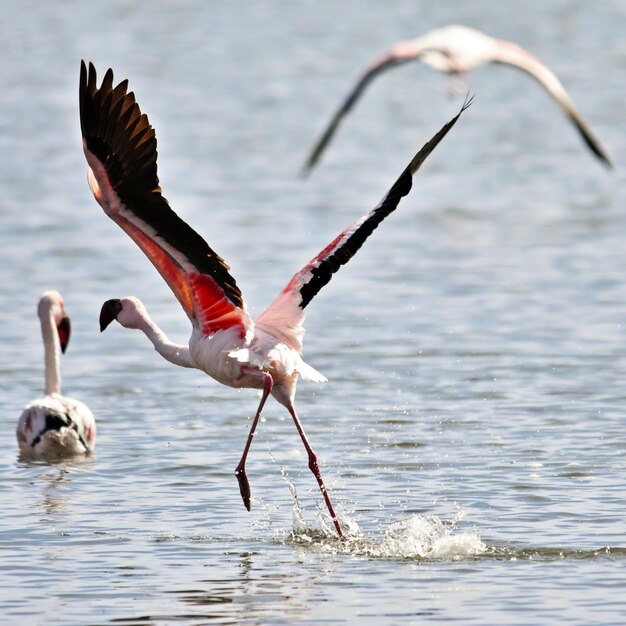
(240, 472)
(314, 467)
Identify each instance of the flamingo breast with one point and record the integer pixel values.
(213, 355)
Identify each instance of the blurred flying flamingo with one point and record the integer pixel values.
(456, 50)
(120, 147)
(55, 426)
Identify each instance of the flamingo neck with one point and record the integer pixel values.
(174, 353)
(52, 350)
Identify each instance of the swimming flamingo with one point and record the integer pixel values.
(456, 50)
(55, 426)
(120, 147)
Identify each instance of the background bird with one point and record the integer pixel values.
(55, 425)
(457, 50)
(120, 147)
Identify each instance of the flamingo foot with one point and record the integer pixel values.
(240, 472)
(244, 486)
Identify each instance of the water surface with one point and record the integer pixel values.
(472, 429)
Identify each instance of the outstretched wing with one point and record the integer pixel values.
(121, 150)
(285, 316)
(510, 53)
(391, 58)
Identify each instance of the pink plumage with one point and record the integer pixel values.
(265, 353)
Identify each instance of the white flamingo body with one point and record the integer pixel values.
(213, 355)
(55, 425)
(451, 49)
(223, 353)
(457, 50)
(120, 147)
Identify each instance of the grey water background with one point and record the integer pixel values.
(472, 429)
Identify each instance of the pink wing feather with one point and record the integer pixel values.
(120, 147)
(284, 318)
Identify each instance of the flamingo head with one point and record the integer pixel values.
(129, 312)
(51, 305)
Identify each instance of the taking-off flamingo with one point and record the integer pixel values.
(120, 147)
(55, 425)
(456, 50)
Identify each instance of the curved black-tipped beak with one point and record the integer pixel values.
(109, 312)
(64, 329)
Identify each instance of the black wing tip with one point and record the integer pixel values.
(88, 84)
(604, 159)
(120, 136)
(469, 100)
(324, 140)
(116, 132)
(314, 155)
(305, 170)
(90, 69)
(317, 150)
(430, 145)
(607, 161)
(588, 137)
(389, 59)
(601, 155)
(322, 272)
(87, 92)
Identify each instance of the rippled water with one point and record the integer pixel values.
(472, 432)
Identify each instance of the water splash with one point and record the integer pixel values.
(427, 537)
(418, 537)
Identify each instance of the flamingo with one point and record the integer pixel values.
(456, 50)
(55, 425)
(266, 353)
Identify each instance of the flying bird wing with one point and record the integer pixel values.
(511, 54)
(386, 61)
(285, 316)
(121, 150)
